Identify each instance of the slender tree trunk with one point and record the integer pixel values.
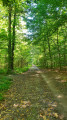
(49, 51)
(65, 38)
(49, 47)
(64, 32)
(59, 56)
(13, 40)
(21, 62)
(44, 62)
(54, 62)
(64, 52)
(18, 65)
(9, 42)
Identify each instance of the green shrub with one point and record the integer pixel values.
(3, 71)
(5, 83)
(21, 70)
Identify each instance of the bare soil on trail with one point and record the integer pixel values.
(36, 95)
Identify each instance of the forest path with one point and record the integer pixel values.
(32, 97)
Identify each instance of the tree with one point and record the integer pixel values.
(13, 9)
(54, 12)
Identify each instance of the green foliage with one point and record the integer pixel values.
(37, 36)
(47, 22)
(3, 71)
(5, 83)
(21, 70)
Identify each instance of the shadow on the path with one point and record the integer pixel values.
(31, 97)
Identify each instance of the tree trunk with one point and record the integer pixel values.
(9, 42)
(49, 51)
(59, 56)
(44, 61)
(65, 38)
(13, 40)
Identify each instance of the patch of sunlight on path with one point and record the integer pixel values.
(60, 97)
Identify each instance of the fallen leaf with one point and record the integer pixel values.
(63, 81)
(49, 109)
(16, 105)
(25, 102)
(17, 110)
(61, 117)
(23, 106)
(49, 114)
(44, 117)
(55, 115)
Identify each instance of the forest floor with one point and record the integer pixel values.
(36, 95)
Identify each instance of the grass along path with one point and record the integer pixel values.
(30, 98)
(5, 83)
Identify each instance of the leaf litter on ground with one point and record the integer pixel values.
(31, 99)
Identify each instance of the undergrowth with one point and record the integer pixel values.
(3, 71)
(21, 70)
(5, 83)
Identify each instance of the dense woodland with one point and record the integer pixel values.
(33, 59)
(33, 32)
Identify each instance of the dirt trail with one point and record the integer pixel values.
(31, 98)
(57, 82)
